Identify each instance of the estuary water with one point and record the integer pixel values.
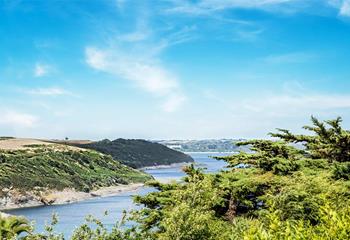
(72, 215)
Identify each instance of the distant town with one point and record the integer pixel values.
(207, 145)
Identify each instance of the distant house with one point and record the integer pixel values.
(175, 146)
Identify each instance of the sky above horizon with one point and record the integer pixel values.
(171, 69)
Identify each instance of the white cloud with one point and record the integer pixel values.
(41, 70)
(18, 120)
(296, 57)
(120, 4)
(204, 7)
(141, 33)
(134, 36)
(54, 91)
(96, 58)
(144, 72)
(173, 102)
(248, 35)
(222, 4)
(253, 116)
(186, 34)
(286, 104)
(135, 56)
(345, 8)
(210, 7)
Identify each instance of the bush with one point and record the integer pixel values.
(342, 171)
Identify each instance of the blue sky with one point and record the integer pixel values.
(171, 68)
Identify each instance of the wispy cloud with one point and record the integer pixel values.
(145, 73)
(205, 7)
(149, 76)
(120, 4)
(345, 8)
(249, 35)
(295, 57)
(287, 104)
(185, 34)
(210, 7)
(53, 91)
(41, 70)
(173, 102)
(255, 115)
(17, 119)
(141, 32)
(136, 56)
(135, 36)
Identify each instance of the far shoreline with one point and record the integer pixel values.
(209, 152)
(165, 166)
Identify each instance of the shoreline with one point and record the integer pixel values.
(69, 196)
(165, 166)
(210, 152)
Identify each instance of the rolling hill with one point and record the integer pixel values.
(137, 153)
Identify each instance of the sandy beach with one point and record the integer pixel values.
(165, 166)
(66, 196)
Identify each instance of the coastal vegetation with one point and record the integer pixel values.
(292, 187)
(11, 227)
(138, 153)
(29, 172)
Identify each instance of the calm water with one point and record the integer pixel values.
(73, 215)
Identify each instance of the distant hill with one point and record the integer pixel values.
(206, 145)
(137, 153)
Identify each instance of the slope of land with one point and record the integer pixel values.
(138, 153)
(19, 143)
(30, 170)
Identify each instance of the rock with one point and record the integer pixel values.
(23, 199)
(48, 200)
(4, 215)
(95, 195)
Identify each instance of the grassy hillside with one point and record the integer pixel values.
(138, 153)
(47, 166)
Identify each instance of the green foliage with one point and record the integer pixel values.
(332, 142)
(187, 222)
(138, 153)
(286, 193)
(11, 227)
(333, 225)
(5, 138)
(48, 167)
(269, 156)
(92, 229)
(342, 171)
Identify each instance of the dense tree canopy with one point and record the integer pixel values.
(329, 140)
(138, 153)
